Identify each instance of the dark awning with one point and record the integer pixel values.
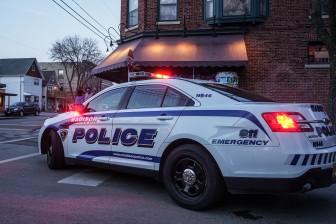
(8, 94)
(200, 51)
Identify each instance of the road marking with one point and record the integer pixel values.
(14, 129)
(17, 140)
(91, 178)
(20, 125)
(18, 158)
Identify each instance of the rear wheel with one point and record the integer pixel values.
(192, 177)
(36, 113)
(55, 152)
(21, 114)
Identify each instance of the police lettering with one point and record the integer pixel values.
(239, 142)
(127, 137)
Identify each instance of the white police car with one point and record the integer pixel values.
(200, 138)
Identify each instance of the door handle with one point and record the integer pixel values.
(164, 117)
(103, 119)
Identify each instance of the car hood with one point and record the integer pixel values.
(60, 117)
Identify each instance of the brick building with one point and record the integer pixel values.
(270, 44)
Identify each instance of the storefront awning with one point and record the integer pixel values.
(200, 51)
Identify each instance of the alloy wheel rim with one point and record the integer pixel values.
(189, 178)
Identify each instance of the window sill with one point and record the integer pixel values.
(322, 17)
(317, 66)
(132, 28)
(177, 22)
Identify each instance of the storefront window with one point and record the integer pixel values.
(36, 99)
(317, 53)
(168, 10)
(133, 13)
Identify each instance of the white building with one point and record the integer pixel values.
(22, 77)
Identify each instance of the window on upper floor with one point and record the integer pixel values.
(228, 11)
(133, 13)
(168, 10)
(324, 7)
(209, 8)
(36, 82)
(318, 54)
(236, 7)
(33, 68)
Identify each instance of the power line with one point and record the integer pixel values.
(83, 18)
(78, 20)
(89, 15)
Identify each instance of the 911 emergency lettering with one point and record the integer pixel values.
(127, 137)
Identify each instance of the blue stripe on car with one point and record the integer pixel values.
(315, 159)
(90, 155)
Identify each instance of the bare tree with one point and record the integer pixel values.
(78, 56)
(326, 30)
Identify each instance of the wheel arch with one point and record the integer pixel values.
(45, 139)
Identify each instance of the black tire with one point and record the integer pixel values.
(205, 183)
(36, 113)
(55, 152)
(21, 113)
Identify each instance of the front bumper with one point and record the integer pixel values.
(12, 112)
(312, 179)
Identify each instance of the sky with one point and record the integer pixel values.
(28, 28)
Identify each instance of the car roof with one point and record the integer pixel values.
(160, 81)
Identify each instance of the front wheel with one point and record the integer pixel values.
(55, 152)
(21, 114)
(36, 113)
(192, 177)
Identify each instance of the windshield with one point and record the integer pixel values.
(236, 93)
(17, 104)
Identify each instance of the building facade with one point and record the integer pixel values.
(270, 45)
(23, 79)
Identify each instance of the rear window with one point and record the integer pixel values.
(235, 93)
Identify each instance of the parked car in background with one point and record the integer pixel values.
(22, 108)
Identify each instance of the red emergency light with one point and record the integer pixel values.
(159, 76)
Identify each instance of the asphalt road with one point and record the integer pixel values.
(31, 193)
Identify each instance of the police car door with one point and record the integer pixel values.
(144, 124)
(89, 139)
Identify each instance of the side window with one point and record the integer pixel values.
(107, 101)
(147, 96)
(174, 98)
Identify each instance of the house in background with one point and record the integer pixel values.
(63, 88)
(51, 93)
(23, 77)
